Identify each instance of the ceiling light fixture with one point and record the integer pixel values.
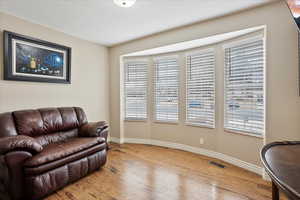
(124, 3)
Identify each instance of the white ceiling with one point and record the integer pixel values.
(103, 22)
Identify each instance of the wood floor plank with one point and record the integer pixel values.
(144, 172)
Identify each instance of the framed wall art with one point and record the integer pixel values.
(30, 59)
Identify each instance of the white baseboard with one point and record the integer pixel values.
(234, 161)
(266, 176)
(114, 139)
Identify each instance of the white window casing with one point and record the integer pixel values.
(200, 88)
(166, 89)
(135, 90)
(244, 88)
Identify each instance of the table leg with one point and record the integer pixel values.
(275, 192)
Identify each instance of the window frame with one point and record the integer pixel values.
(242, 42)
(154, 59)
(197, 52)
(125, 64)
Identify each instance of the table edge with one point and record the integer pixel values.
(283, 186)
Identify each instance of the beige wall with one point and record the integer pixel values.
(283, 102)
(90, 82)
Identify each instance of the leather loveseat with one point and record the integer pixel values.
(43, 150)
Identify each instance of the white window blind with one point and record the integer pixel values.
(135, 90)
(166, 89)
(200, 89)
(244, 88)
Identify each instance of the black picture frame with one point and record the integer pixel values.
(63, 75)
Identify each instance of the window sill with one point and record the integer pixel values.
(243, 133)
(198, 125)
(135, 120)
(166, 122)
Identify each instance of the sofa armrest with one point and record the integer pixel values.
(20, 142)
(12, 174)
(94, 129)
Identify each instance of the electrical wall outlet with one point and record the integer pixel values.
(201, 141)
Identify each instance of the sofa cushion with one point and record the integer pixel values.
(69, 118)
(52, 120)
(29, 122)
(7, 125)
(47, 139)
(48, 120)
(30, 171)
(81, 117)
(56, 151)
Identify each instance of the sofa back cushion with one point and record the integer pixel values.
(29, 122)
(69, 118)
(45, 121)
(47, 139)
(7, 125)
(52, 119)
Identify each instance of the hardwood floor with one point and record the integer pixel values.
(144, 172)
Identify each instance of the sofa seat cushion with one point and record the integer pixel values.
(57, 151)
(42, 169)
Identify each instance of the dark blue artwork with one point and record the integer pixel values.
(39, 61)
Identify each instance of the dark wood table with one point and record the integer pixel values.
(282, 163)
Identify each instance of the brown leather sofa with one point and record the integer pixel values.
(43, 150)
